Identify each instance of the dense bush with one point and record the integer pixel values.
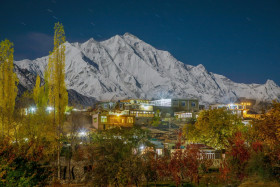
(17, 168)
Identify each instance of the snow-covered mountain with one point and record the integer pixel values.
(27, 81)
(127, 67)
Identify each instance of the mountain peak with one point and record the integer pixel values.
(201, 67)
(270, 82)
(91, 40)
(129, 34)
(115, 38)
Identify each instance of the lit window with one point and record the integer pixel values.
(104, 119)
(159, 151)
(129, 119)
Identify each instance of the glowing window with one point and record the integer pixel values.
(104, 119)
(129, 119)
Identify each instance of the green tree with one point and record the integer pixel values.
(8, 86)
(214, 127)
(58, 96)
(117, 156)
(157, 119)
(20, 167)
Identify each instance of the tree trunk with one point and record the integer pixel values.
(2, 109)
(2, 123)
(69, 165)
(58, 162)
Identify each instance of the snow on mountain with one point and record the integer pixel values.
(127, 67)
(27, 81)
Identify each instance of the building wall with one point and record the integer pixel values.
(104, 121)
(178, 105)
(95, 121)
(190, 105)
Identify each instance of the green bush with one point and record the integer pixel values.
(21, 172)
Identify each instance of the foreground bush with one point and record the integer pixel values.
(19, 167)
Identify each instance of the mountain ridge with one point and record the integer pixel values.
(124, 66)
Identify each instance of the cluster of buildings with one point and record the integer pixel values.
(131, 112)
(142, 112)
(167, 112)
(127, 113)
(243, 108)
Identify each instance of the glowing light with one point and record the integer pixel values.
(142, 147)
(32, 109)
(49, 108)
(145, 107)
(82, 133)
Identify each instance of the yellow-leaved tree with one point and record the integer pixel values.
(37, 93)
(214, 127)
(8, 86)
(41, 93)
(55, 75)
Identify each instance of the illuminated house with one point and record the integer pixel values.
(241, 109)
(248, 103)
(180, 108)
(251, 114)
(217, 106)
(183, 115)
(134, 107)
(234, 107)
(106, 120)
(141, 111)
(137, 107)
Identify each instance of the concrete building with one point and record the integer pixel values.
(182, 108)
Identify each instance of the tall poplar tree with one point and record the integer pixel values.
(41, 93)
(58, 96)
(8, 85)
(37, 92)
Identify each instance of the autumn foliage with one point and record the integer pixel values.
(184, 164)
(19, 164)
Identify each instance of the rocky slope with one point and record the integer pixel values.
(127, 67)
(27, 81)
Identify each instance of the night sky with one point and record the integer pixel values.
(238, 39)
